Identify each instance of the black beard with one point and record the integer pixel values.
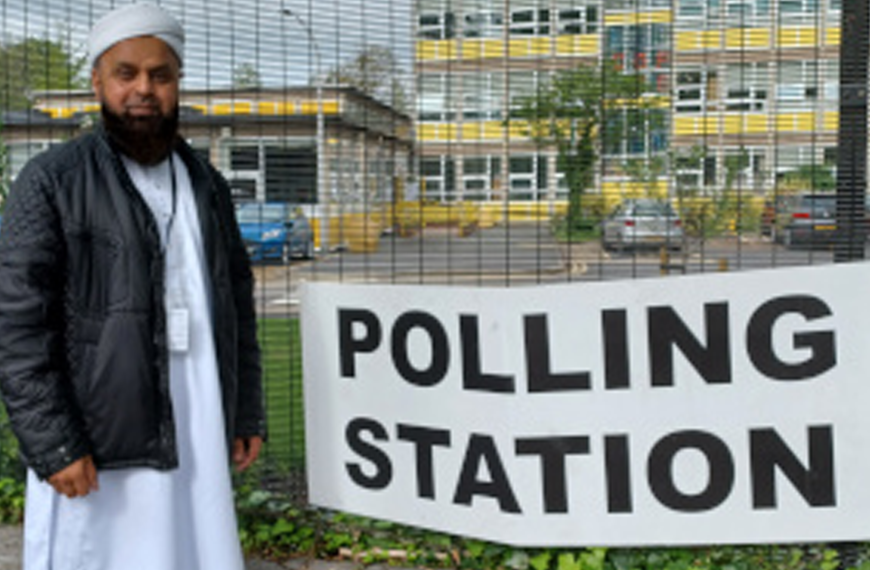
(147, 140)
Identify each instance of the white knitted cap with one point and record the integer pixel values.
(133, 21)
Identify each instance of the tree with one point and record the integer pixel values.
(810, 177)
(246, 76)
(374, 72)
(570, 112)
(36, 65)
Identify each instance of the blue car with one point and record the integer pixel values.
(275, 231)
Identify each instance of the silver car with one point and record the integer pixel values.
(642, 223)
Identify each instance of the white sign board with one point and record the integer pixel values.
(726, 408)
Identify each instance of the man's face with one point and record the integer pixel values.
(138, 78)
(137, 84)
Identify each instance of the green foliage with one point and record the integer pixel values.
(269, 527)
(36, 65)
(246, 76)
(811, 178)
(282, 379)
(11, 500)
(374, 71)
(569, 113)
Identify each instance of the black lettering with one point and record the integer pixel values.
(440, 349)
(614, 329)
(424, 440)
(473, 378)
(383, 468)
(661, 475)
(665, 329)
(540, 378)
(348, 345)
(815, 483)
(482, 450)
(759, 339)
(618, 474)
(552, 451)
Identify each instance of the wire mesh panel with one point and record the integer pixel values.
(486, 142)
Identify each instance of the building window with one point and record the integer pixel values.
(483, 19)
(700, 9)
(521, 85)
(433, 98)
(692, 90)
(746, 87)
(577, 17)
(482, 96)
(527, 177)
(798, 83)
(435, 20)
(481, 178)
(528, 18)
(437, 175)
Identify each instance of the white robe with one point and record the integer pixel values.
(144, 519)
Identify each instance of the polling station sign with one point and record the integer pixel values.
(726, 408)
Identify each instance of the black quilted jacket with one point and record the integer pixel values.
(83, 354)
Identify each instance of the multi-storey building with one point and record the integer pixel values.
(749, 88)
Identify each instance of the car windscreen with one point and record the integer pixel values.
(260, 214)
(653, 210)
(820, 205)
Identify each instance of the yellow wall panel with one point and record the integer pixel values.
(732, 124)
(798, 37)
(805, 122)
(831, 121)
(711, 39)
(518, 130)
(477, 49)
(747, 38)
(756, 123)
(686, 126)
(541, 46)
(426, 49)
(493, 130)
(590, 44)
(519, 48)
(785, 122)
(565, 45)
(426, 132)
(687, 41)
(493, 48)
(832, 36)
(448, 49)
(240, 108)
(472, 49)
(471, 132)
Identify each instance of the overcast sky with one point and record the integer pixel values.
(223, 34)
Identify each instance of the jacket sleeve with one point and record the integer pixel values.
(33, 379)
(250, 409)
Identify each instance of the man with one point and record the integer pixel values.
(129, 363)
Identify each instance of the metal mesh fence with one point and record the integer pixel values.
(501, 143)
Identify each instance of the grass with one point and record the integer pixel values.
(282, 383)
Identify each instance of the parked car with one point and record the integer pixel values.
(275, 231)
(642, 223)
(810, 220)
